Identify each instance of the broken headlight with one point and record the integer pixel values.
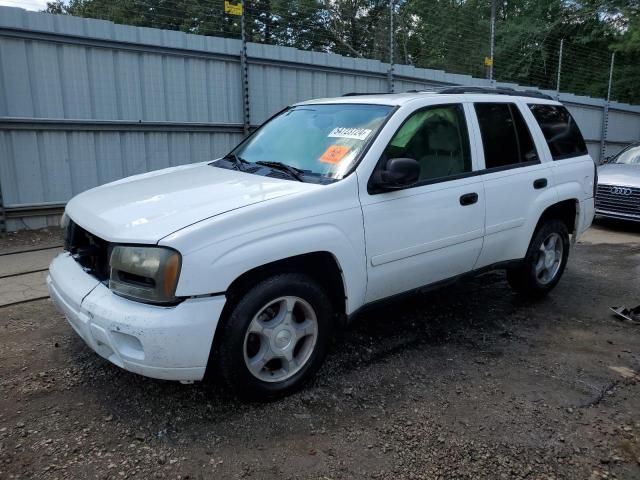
(146, 274)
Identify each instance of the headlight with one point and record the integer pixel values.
(147, 274)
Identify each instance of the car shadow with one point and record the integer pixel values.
(623, 226)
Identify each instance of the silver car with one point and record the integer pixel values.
(618, 194)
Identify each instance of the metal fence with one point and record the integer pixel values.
(84, 102)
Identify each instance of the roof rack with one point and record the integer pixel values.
(470, 89)
(356, 94)
(497, 91)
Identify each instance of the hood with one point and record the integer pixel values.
(619, 174)
(145, 208)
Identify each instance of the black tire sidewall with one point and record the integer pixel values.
(231, 351)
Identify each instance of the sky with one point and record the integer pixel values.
(26, 4)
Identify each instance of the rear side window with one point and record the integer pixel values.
(560, 130)
(505, 136)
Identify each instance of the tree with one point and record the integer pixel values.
(452, 35)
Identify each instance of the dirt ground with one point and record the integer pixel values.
(466, 382)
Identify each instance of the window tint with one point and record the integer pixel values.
(560, 130)
(437, 138)
(505, 136)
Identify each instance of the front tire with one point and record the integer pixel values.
(544, 262)
(276, 337)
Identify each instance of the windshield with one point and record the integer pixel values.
(317, 139)
(629, 157)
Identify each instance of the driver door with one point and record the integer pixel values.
(432, 230)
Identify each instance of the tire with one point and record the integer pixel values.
(528, 279)
(245, 357)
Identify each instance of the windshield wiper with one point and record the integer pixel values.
(283, 167)
(238, 161)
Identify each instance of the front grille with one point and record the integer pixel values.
(88, 250)
(618, 199)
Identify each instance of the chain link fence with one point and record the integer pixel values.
(541, 44)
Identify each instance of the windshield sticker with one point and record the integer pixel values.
(334, 154)
(355, 133)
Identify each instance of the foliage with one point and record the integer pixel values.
(452, 35)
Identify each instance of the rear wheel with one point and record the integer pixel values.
(276, 337)
(544, 262)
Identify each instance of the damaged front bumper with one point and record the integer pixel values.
(170, 343)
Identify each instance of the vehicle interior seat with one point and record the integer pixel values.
(437, 148)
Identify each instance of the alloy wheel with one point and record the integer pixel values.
(280, 339)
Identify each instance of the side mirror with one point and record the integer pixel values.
(399, 173)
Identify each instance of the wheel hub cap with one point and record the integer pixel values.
(283, 339)
(549, 260)
(280, 339)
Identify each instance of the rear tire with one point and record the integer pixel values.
(276, 337)
(544, 262)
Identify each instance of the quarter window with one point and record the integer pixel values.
(560, 130)
(437, 138)
(505, 136)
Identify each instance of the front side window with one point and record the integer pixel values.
(437, 138)
(560, 130)
(505, 136)
(318, 140)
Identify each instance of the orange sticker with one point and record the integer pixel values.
(334, 154)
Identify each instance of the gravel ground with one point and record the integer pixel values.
(28, 239)
(466, 382)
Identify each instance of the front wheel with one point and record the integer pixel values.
(544, 262)
(276, 337)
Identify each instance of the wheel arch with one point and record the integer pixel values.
(567, 211)
(322, 266)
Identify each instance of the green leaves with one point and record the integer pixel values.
(452, 35)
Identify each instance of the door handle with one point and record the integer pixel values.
(539, 183)
(468, 199)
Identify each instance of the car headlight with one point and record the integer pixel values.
(147, 274)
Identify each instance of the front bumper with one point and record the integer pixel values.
(170, 343)
(617, 215)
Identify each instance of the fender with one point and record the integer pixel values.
(217, 251)
(213, 270)
(544, 201)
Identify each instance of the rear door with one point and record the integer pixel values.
(516, 180)
(572, 166)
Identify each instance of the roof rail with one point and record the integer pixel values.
(468, 89)
(355, 94)
(497, 91)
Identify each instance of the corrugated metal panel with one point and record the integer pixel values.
(589, 119)
(65, 69)
(623, 126)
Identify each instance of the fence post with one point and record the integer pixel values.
(3, 219)
(391, 50)
(605, 112)
(244, 73)
(559, 68)
(492, 39)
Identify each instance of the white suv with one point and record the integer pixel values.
(248, 264)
